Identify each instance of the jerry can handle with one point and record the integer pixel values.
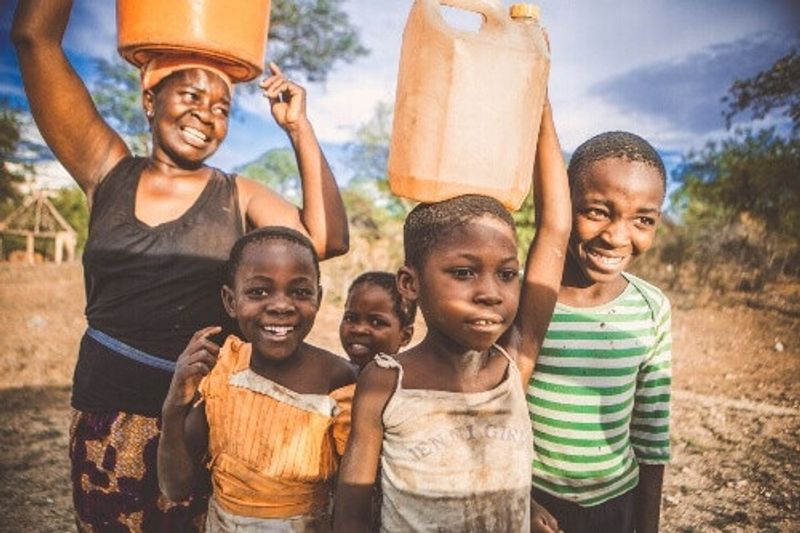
(491, 9)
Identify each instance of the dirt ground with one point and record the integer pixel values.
(736, 408)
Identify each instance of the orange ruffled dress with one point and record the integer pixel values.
(273, 452)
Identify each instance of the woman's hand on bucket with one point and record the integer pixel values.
(286, 98)
(192, 366)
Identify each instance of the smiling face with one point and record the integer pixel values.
(370, 324)
(189, 117)
(275, 298)
(468, 287)
(616, 206)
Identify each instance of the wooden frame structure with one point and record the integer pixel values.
(37, 218)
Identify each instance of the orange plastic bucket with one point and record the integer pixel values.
(233, 32)
(468, 104)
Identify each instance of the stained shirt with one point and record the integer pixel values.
(599, 396)
(455, 461)
(273, 452)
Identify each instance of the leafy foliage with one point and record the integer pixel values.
(12, 173)
(368, 158)
(738, 200)
(525, 220)
(308, 36)
(277, 169)
(117, 94)
(752, 176)
(776, 88)
(71, 203)
(738, 203)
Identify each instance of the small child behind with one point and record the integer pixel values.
(377, 319)
(446, 421)
(271, 415)
(599, 396)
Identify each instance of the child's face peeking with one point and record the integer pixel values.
(370, 324)
(616, 207)
(468, 287)
(275, 297)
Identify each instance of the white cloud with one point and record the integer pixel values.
(10, 89)
(51, 175)
(593, 41)
(345, 103)
(92, 31)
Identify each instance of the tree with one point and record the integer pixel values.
(306, 38)
(117, 94)
(526, 225)
(277, 169)
(12, 172)
(71, 203)
(752, 176)
(776, 88)
(369, 157)
(739, 205)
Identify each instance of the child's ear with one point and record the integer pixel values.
(407, 283)
(229, 301)
(406, 334)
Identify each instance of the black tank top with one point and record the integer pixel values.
(150, 287)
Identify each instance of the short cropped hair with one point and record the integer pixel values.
(609, 145)
(428, 224)
(264, 234)
(405, 310)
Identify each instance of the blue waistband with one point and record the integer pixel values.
(129, 351)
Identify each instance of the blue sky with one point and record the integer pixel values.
(654, 67)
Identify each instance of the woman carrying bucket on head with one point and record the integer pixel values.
(160, 231)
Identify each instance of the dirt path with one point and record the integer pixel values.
(736, 409)
(34, 432)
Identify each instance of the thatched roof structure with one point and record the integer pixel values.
(37, 218)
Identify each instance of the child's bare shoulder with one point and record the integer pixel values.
(339, 370)
(378, 378)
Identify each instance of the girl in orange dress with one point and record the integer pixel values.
(270, 414)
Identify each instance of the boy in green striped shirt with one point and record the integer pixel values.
(599, 396)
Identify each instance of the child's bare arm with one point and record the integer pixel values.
(353, 501)
(184, 428)
(322, 216)
(648, 498)
(545, 262)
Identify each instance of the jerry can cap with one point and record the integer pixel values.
(524, 11)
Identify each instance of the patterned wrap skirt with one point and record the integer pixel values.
(114, 478)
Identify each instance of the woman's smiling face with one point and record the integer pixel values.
(616, 208)
(189, 117)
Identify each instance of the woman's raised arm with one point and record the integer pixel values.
(60, 103)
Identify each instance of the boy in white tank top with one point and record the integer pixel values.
(447, 419)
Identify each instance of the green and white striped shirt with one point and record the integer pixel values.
(599, 396)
